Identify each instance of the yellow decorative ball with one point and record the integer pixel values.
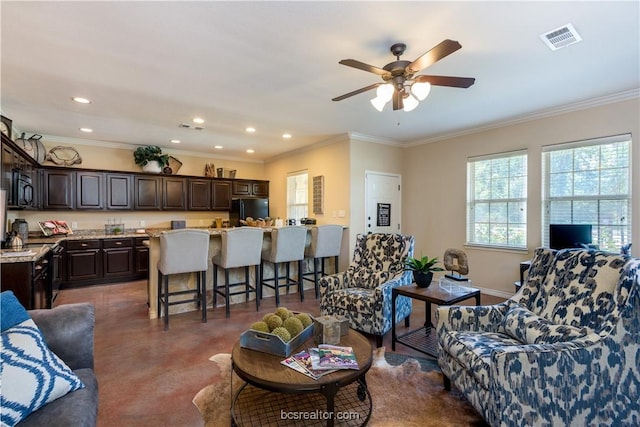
(293, 325)
(260, 326)
(273, 321)
(305, 319)
(282, 333)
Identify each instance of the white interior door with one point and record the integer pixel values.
(382, 203)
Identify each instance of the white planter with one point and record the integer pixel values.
(152, 167)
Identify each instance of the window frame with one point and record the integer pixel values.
(295, 207)
(600, 229)
(473, 202)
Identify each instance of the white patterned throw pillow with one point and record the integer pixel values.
(31, 375)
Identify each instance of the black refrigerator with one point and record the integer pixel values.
(249, 207)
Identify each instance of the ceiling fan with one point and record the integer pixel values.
(399, 83)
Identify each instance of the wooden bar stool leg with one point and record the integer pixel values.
(226, 289)
(203, 295)
(215, 285)
(166, 302)
(246, 283)
(300, 280)
(257, 289)
(315, 274)
(275, 285)
(159, 292)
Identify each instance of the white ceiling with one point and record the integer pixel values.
(149, 66)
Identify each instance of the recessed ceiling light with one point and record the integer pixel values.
(175, 141)
(218, 147)
(81, 100)
(250, 150)
(250, 129)
(198, 120)
(286, 135)
(88, 130)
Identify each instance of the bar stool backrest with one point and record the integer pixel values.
(287, 244)
(183, 251)
(326, 241)
(241, 247)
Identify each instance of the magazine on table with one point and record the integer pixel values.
(299, 363)
(338, 357)
(306, 359)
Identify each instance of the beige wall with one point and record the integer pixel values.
(330, 160)
(434, 195)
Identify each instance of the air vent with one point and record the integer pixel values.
(189, 126)
(561, 37)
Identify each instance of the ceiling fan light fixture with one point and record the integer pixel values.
(378, 103)
(385, 92)
(421, 90)
(410, 103)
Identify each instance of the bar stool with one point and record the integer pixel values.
(326, 242)
(287, 245)
(183, 251)
(241, 247)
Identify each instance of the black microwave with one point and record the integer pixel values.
(23, 193)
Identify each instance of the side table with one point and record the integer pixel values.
(424, 338)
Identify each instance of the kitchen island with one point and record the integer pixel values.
(188, 280)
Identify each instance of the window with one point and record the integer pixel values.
(497, 200)
(298, 195)
(588, 182)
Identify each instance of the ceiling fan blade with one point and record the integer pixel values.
(398, 104)
(365, 67)
(463, 82)
(355, 92)
(445, 48)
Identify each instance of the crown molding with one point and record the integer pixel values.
(541, 114)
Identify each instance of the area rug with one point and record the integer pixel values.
(408, 394)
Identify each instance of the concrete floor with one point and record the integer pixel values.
(147, 376)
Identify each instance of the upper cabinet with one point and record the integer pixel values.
(119, 192)
(89, 190)
(19, 177)
(174, 193)
(205, 195)
(147, 192)
(57, 189)
(251, 188)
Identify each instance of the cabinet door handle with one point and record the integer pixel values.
(84, 245)
(118, 243)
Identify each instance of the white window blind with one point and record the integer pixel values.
(589, 182)
(497, 200)
(298, 195)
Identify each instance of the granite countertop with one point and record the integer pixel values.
(38, 245)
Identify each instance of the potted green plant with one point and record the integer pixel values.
(423, 269)
(151, 159)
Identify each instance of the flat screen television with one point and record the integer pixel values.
(562, 236)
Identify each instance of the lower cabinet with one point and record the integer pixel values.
(98, 261)
(29, 281)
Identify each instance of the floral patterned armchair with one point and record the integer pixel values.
(565, 350)
(362, 293)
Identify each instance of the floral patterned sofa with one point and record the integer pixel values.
(563, 351)
(362, 293)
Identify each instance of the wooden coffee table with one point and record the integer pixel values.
(270, 385)
(424, 338)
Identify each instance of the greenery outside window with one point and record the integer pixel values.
(298, 195)
(497, 200)
(589, 182)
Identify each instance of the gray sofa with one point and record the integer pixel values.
(68, 331)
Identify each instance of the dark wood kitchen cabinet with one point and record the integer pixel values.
(221, 195)
(89, 190)
(19, 177)
(57, 189)
(29, 281)
(251, 188)
(205, 195)
(118, 189)
(174, 193)
(117, 257)
(147, 192)
(84, 263)
(141, 256)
